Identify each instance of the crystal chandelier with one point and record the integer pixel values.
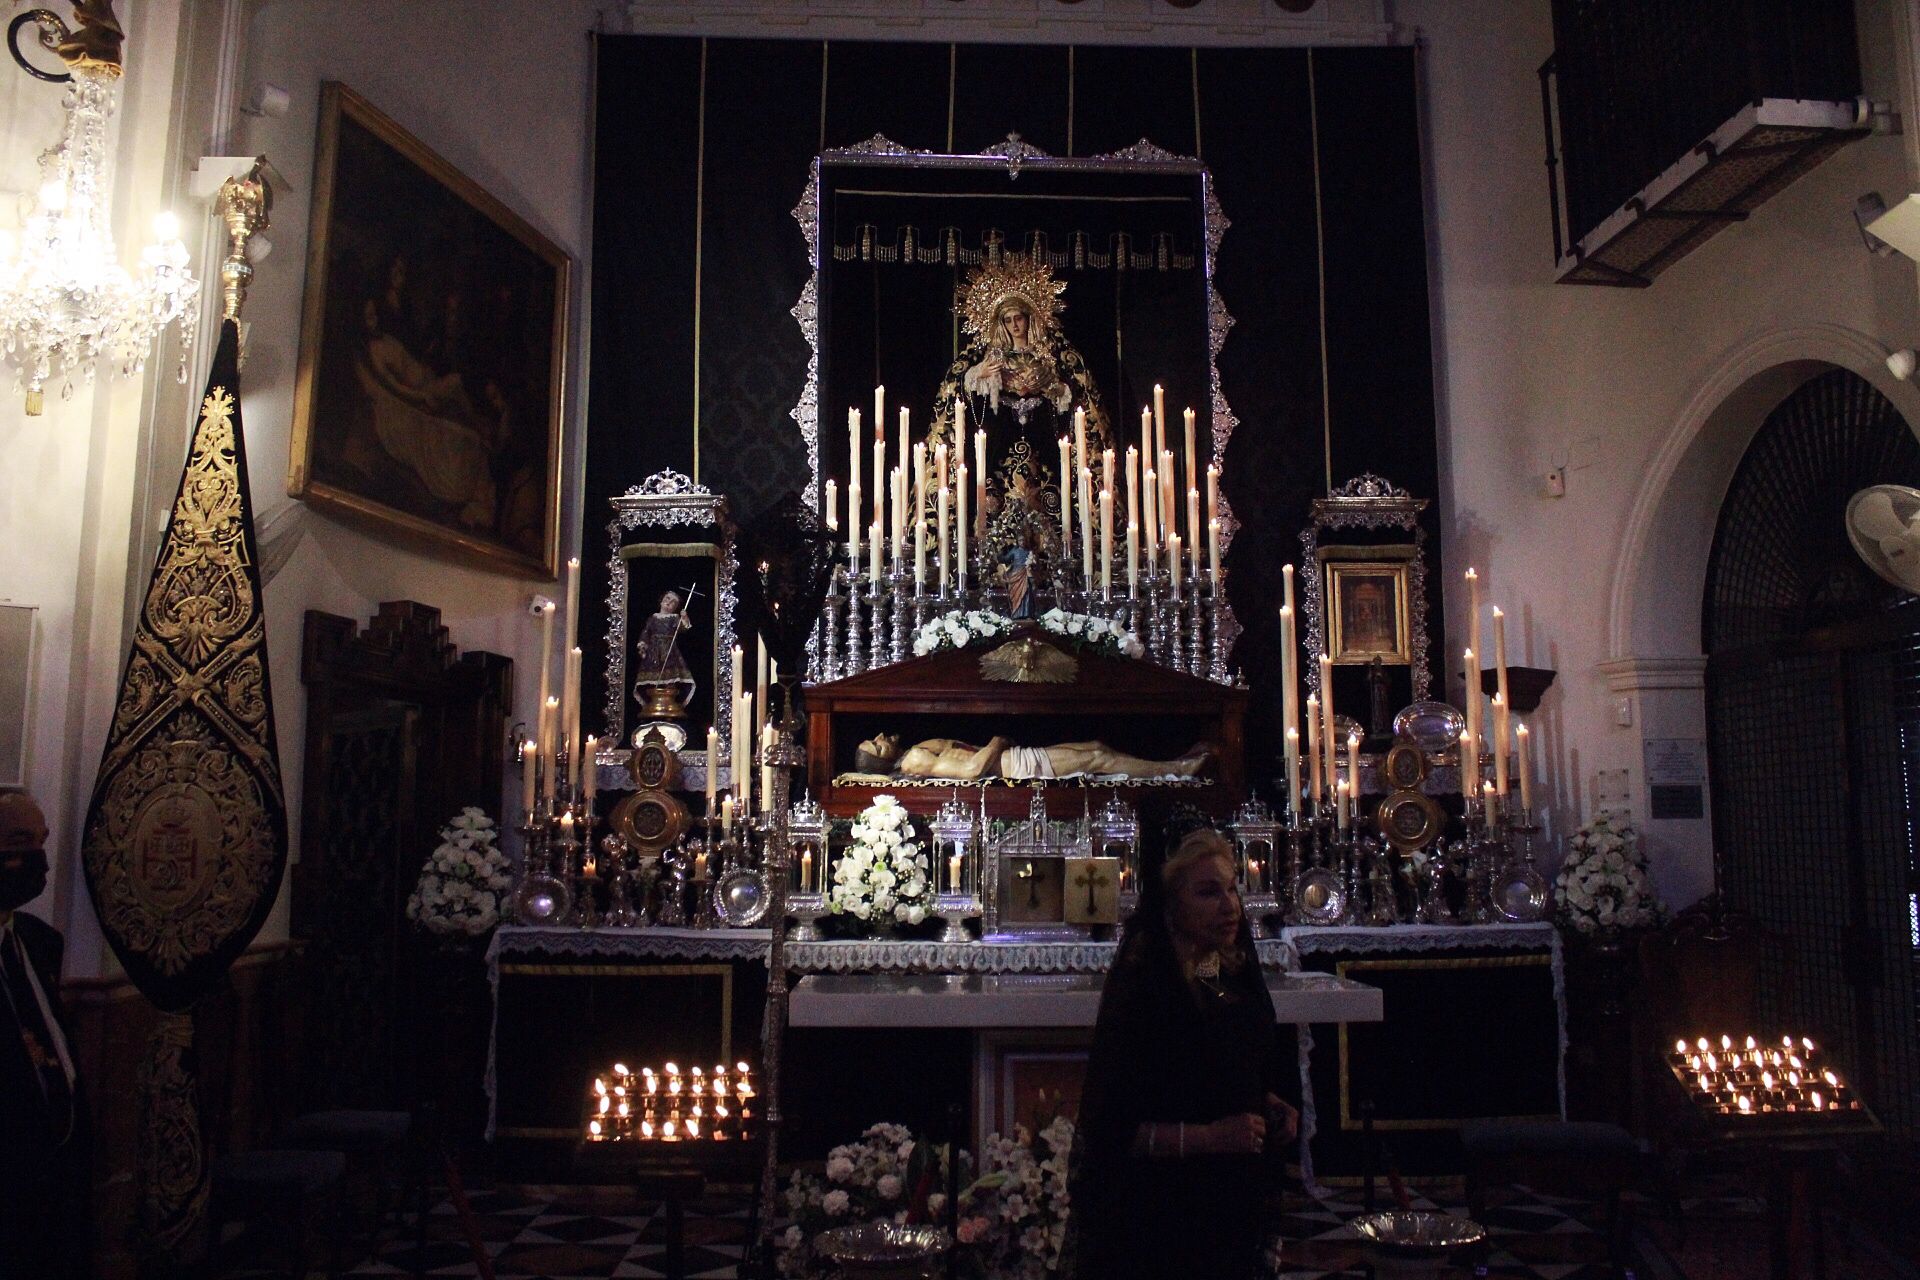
(65, 300)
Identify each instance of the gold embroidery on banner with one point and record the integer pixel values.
(172, 1168)
(183, 843)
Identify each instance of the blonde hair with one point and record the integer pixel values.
(1194, 848)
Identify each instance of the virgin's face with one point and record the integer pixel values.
(1016, 321)
(1205, 906)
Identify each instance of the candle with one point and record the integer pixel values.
(1293, 768)
(1473, 642)
(1106, 544)
(940, 466)
(1150, 538)
(1133, 560)
(590, 769)
(980, 481)
(1066, 497)
(1106, 468)
(1313, 747)
(1469, 763)
(1086, 527)
(879, 475)
(1289, 694)
(1193, 528)
(1213, 492)
(549, 731)
(1503, 706)
(529, 766)
(1471, 659)
(1353, 770)
(1526, 773)
(879, 411)
(853, 457)
(1213, 554)
(853, 525)
(833, 507)
(806, 870)
(1340, 804)
(739, 678)
(953, 874)
(713, 764)
(700, 867)
(1080, 436)
(1133, 485)
(1159, 419)
(766, 770)
(874, 543)
(1173, 563)
(905, 414)
(960, 528)
(1500, 761)
(919, 517)
(546, 653)
(726, 815)
(1191, 471)
(1492, 798)
(572, 632)
(899, 516)
(760, 682)
(569, 720)
(1327, 731)
(1169, 513)
(941, 549)
(566, 829)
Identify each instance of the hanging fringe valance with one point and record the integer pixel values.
(1123, 251)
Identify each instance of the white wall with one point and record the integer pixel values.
(1619, 385)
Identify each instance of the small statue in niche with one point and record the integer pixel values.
(949, 758)
(662, 678)
(1379, 712)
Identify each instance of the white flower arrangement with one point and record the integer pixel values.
(1603, 885)
(882, 875)
(465, 880)
(962, 627)
(957, 629)
(1011, 1219)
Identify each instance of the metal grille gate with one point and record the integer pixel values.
(1813, 713)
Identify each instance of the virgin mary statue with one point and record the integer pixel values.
(1020, 381)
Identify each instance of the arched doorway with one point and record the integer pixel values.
(1813, 714)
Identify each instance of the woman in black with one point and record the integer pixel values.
(1182, 1102)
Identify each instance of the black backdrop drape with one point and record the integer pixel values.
(702, 149)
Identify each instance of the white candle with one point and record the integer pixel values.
(1133, 560)
(1191, 471)
(1193, 528)
(1328, 730)
(766, 770)
(1080, 437)
(1106, 469)
(879, 412)
(1469, 764)
(960, 529)
(1289, 710)
(1490, 793)
(1133, 485)
(1159, 419)
(713, 764)
(874, 543)
(953, 874)
(1150, 545)
(899, 516)
(1313, 747)
(980, 481)
(1353, 770)
(1173, 563)
(572, 722)
(1086, 527)
(941, 549)
(806, 870)
(529, 766)
(1169, 513)
(1500, 744)
(1213, 554)
(1293, 769)
(879, 475)
(905, 415)
(760, 682)
(572, 632)
(833, 507)
(546, 654)
(1340, 803)
(726, 815)
(919, 516)
(743, 780)
(1526, 771)
(1213, 492)
(590, 769)
(1066, 497)
(1472, 691)
(853, 526)
(1106, 544)
(940, 466)
(853, 462)
(549, 733)
(700, 865)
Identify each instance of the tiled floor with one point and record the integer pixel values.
(576, 1233)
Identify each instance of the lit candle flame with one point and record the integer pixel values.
(593, 1127)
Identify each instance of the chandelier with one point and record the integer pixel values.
(65, 300)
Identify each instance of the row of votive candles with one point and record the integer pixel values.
(667, 1106)
(1752, 1078)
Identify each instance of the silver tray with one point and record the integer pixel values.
(740, 897)
(881, 1246)
(1432, 726)
(1520, 894)
(542, 899)
(1409, 1232)
(1319, 897)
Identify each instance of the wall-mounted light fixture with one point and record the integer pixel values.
(65, 300)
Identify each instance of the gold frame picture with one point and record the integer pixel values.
(431, 384)
(1360, 627)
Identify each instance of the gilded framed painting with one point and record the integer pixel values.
(432, 372)
(1367, 611)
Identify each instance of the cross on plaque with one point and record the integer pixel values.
(1091, 878)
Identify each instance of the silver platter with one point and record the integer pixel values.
(1319, 897)
(1409, 1232)
(1520, 894)
(740, 897)
(1432, 726)
(542, 899)
(881, 1246)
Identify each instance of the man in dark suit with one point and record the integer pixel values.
(43, 1143)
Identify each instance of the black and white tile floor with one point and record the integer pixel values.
(571, 1233)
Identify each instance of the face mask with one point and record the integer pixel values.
(23, 877)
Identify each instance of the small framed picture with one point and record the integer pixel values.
(1367, 612)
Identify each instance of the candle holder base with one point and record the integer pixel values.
(955, 909)
(806, 910)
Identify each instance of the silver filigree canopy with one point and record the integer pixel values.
(1368, 502)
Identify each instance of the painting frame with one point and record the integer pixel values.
(535, 379)
(1346, 648)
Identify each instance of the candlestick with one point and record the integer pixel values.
(1313, 747)
(1066, 497)
(713, 765)
(1106, 544)
(1526, 772)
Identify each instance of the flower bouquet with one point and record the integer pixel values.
(881, 876)
(957, 629)
(464, 880)
(962, 627)
(1603, 887)
(1088, 632)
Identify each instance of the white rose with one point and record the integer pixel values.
(839, 1169)
(888, 1187)
(835, 1203)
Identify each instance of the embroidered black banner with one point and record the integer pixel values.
(186, 834)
